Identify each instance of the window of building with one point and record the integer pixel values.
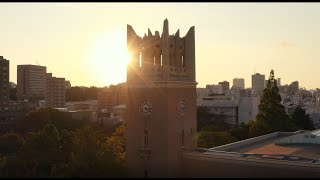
(182, 137)
(146, 145)
(312, 136)
(306, 136)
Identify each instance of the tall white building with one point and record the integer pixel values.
(279, 82)
(248, 108)
(238, 83)
(258, 83)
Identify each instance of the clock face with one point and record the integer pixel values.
(146, 108)
(182, 107)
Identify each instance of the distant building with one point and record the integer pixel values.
(31, 82)
(68, 85)
(223, 106)
(293, 87)
(201, 93)
(55, 91)
(4, 79)
(248, 108)
(112, 96)
(258, 83)
(120, 112)
(9, 111)
(279, 82)
(238, 83)
(265, 83)
(225, 86)
(214, 89)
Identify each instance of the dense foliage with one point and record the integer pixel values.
(46, 147)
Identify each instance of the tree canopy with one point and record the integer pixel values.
(271, 115)
(301, 120)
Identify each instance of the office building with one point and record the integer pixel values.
(31, 82)
(238, 83)
(258, 83)
(55, 91)
(4, 79)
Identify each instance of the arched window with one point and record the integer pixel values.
(182, 61)
(182, 137)
(140, 58)
(146, 144)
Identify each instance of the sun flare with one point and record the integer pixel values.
(109, 57)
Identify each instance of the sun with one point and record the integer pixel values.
(109, 57)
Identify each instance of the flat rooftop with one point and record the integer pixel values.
(265, 147)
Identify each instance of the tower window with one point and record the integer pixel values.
(182, 61)
(146, 145)
(161, 59)
(140, 59)
(182, 138)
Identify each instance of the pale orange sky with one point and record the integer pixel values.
(86, 42)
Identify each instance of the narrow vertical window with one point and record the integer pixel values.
(154, 61)
(182, 61)
(146, 145)
(161, 59)
(140, 59)
(182, 137)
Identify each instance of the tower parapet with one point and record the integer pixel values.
(165, 58)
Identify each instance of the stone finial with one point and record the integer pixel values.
(166, 26)
(178, 33)
(149, 32)
(157, 33)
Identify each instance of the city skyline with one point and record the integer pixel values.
(234, 40)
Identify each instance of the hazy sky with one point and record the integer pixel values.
(86, 42)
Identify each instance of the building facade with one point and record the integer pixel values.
(112, 96)
(31, 82)
(238, 83)
(161, 107)
(4, 79)
(55, 91)
(225, 86)
(68, 85)
(258, 83)
(9, 111)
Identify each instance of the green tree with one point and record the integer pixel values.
(271, 116)
(207, 121)
(48, 153)
(301, 120)
(36, 120)
(10, 143)
(116, 142)
(240, 132)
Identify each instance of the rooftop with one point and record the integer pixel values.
(274, 146)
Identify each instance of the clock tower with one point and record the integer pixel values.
(161, 104)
